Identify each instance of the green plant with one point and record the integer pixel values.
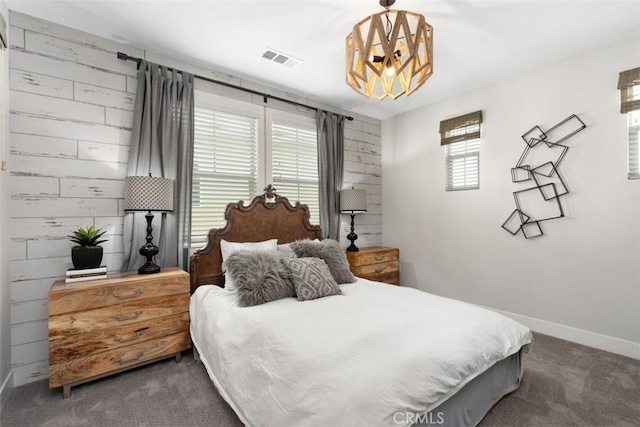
(88, 237)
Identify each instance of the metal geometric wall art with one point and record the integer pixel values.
(539, 165)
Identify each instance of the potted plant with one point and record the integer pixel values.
(88, 252)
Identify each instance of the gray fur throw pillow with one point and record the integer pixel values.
(330, 252)
(311, 278)
(257, 276)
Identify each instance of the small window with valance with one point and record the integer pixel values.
(461, 138)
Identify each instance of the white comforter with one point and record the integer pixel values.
(351, 360)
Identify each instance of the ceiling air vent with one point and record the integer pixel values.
(281, 58)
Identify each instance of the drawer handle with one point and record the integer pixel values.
(122, 361)
(121, 318)
(138, 292)
(379, 257)
(137, 335)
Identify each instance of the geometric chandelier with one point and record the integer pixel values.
(389, 54)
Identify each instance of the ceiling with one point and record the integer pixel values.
(476, 42)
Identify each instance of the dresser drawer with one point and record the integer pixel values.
(392, 278)
(81, 369)
(117, 315)
(116, 289)
(376, 269)
(65, 344)
(357, 259)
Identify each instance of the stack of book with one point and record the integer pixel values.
(83, 274)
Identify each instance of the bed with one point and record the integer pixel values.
(375, 355)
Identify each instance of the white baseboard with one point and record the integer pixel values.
(580, 336)
(5, 390)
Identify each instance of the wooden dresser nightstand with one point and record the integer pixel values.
(376, 263)
(100, 327)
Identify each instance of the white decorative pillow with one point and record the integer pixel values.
(227, 248)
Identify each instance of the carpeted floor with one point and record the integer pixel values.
(564, 384)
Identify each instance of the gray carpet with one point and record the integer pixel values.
(564, 384)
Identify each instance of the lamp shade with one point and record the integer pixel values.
(148, 193)
(352, 200)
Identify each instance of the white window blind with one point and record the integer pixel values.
(463, 165)
(225, 166)
(240, 147)
(634, 150)
(294, 150)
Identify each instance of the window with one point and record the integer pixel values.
(463, 165)
(461, 138)
(294, 150)
(225, 166)
(629, 85)
(238, 149)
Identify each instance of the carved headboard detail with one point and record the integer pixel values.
(268, 216)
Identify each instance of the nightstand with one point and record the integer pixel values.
(376, 263)
(101, 327)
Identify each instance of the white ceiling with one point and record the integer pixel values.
(475, 41)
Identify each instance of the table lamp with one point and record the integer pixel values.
(147, 193)
(353, 202)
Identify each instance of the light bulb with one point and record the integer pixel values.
(390, 70)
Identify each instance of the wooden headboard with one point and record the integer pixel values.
(268, 216)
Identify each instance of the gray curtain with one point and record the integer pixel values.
(330, 129)
(162, 143)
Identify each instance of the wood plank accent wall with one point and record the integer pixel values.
(71, 116)
(71, 113)
(363, 170)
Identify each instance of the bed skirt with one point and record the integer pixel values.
(471, 403)
(465, 408)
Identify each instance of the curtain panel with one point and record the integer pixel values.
(162, 144)
(330, 130)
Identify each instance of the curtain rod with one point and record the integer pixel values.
(265, 96)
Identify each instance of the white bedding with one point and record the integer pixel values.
(350, 360)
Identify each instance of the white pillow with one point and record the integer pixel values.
(227, 248)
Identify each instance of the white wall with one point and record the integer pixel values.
(581, 280)
(6, 380)
(71, 115)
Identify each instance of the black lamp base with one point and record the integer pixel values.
(149, 269)
(149, 250)
(352, 237)
(353, 248)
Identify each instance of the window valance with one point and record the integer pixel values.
(461, 128)
(629, 85)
